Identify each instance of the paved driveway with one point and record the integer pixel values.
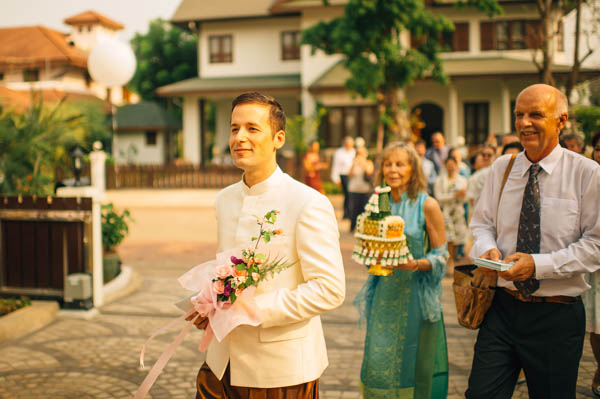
(174, 230)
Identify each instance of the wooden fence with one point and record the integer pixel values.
(171, 176)
(42, 240)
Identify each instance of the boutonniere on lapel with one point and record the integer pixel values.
(224, 292)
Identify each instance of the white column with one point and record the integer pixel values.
(97, 168)
(191, 129)
(308, 103)
(505, 108)
(452, 134)
(97, 263)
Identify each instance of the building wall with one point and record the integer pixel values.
(256, 48)
(125, 142)
(86, 39)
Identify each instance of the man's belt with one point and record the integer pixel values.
(566, 300)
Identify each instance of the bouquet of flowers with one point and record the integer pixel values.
(224, 292)
(251, 268)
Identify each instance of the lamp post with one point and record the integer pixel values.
(111, 63)
(77, 156)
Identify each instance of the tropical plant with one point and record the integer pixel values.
(301, 130)
(33, 144)
(114, 226)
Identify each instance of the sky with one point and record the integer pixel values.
(135, 15)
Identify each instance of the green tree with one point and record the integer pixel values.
(368, 37)
(165, 54)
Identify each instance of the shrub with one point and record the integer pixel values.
(588, 118)
(332, 188)
(8, 305)
(114, 226)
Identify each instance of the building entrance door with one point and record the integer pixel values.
(433, 117)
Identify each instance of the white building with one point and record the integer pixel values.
(247, 46)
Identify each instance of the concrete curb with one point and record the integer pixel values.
(27, 319)
(127, 282)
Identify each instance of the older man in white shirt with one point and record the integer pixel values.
(285, 355)
(340, 167)
(547, 223)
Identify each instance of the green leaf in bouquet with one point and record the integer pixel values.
(233, 297)
(240, 266)
(267, 236)
(260, 256)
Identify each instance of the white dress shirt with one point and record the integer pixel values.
(342, 162)
(570, 219)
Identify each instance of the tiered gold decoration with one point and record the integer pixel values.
(380, 240)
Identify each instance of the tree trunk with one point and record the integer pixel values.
(380, 124)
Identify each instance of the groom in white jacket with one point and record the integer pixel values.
(285, 355)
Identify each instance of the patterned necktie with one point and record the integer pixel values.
(528, 238)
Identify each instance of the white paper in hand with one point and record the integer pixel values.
(490, 264)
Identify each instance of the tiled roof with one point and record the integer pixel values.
(19, 100)
(91, 17)
(37, 46)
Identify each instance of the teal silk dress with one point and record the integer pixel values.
(405, 353)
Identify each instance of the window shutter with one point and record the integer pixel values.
(488, 40)
(533, 34)
(461, 37)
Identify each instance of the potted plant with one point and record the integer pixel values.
(114, 229)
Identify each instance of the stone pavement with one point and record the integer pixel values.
(98, 358)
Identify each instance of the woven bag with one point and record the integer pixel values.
(473, 289)
(473, 294)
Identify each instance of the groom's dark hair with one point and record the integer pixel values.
(276, 114)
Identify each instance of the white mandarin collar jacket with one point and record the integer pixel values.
(288, 348)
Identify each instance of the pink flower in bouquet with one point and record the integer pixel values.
(224, 271)
(219, 286)
(255, 276)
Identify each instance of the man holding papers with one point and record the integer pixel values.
(547, 223)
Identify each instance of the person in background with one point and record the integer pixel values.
(476, 162)
(512, 148)
(507, 139)
(478, 179)
(312, 167)
(405, 352)
(340, 167)
(438, 151)
(573, 142)
(596, 147)
(359, 184)
(428, 166)
(464, 169)
(591, 298)
(450, 189)
(547, 223)
(359, 142)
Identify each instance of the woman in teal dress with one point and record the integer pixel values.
(405, 353)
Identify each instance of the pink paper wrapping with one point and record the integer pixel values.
(223, 318)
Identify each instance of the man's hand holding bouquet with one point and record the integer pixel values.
(223, 293)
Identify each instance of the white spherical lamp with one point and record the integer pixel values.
(111, 63)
